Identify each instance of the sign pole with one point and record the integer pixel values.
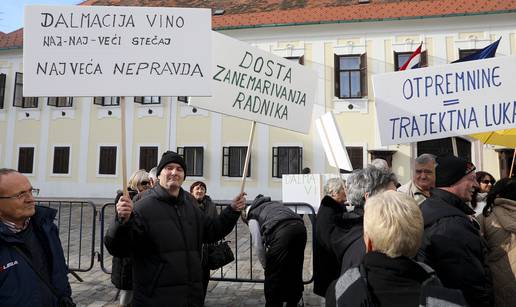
(124, 157)
(247, 157)
(454, 146)
(512, 164)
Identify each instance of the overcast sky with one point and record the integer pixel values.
(11, 11)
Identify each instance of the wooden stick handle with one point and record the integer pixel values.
(512, 164)
(123, 149)
(247, 157)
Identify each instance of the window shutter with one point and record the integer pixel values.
(363, 74)
(336, 70)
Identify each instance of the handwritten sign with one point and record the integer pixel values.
(449, 100)
(253, 84)
(116, 51)
(306, 188)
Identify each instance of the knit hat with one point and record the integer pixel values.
(451, 169)
(170, 157)
(202, 184)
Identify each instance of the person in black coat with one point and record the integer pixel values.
(326, 264)
(163, 234)
(198, 191)
(279, 238)
(121, 268)
(387, 276)
(346, 240)
(452, 243)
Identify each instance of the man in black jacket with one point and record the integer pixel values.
(279, 238)
(452, 244)
(163, 234)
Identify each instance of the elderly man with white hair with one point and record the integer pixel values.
(423, 179)
(393, 229)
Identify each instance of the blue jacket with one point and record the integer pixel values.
(19, 284)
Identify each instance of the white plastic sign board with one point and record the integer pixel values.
(443, 101)
(332, 141)
(252, 84)
(305, 188)
(116, 51)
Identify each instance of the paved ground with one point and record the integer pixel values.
(97, 290)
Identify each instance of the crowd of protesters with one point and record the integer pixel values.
(445, 238)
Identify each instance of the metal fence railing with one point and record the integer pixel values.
(76, 223)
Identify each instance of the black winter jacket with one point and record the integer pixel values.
(382, 281)
(348, 239)
(164, 238)
(452, 245)
(122, 268)
(269, 214)
(326, 264)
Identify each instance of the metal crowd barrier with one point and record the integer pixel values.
(76, 223)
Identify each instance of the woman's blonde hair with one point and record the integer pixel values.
(394, 224)
(137, 178)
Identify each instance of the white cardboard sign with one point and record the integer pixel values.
(332, 141)
(305, 188)
(256, 85)
(116, 51)
(449, 100)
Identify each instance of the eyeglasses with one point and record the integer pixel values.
(24, 194)
(487, 181)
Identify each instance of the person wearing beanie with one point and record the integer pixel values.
(452, 244)
(163, 234)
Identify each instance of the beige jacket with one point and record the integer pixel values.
(413, 191)
(499, 229)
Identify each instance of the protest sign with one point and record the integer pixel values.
(443, 101)
(306, 188)
(333, 143)
(116, 51)
(253, 84)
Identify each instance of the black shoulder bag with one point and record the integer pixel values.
(217, 255)
(62, 301)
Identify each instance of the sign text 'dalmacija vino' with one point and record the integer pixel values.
(257, 85)
(116, 51)
(449, 100)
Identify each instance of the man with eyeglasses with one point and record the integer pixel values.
(33, 271)
(452, 244)
(423, 179)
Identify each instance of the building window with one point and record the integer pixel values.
(107, 160)
(183, 99)
(148, 157)
(2, 90)
(351, 76)
(400, 58)
(147, 99)
(19, 100)
(298, 59)
(61, 160)
(107, 101)
(61, 102)
(233, 159)
(194, 158)
(286, 160)
(26, 160)
(444, 147)
(467, 52)
(356, 156)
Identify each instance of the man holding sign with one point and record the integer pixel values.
(163, 235)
